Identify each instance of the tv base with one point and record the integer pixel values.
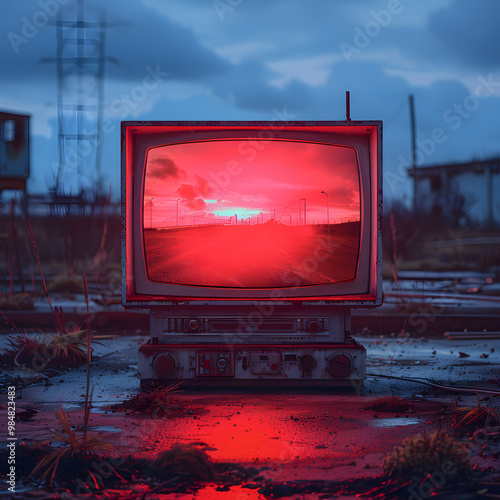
(253, 365)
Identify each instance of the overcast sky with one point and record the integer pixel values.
(269, 60)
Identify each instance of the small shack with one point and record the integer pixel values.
(14, 151)
(462, 193)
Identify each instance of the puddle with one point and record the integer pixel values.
(210, 492)
(97, 406)
(395, 422)
(70, 406)
(102, 406)
(105, 428)
(58, 444)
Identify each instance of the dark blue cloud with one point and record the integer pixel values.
(247, 86)
(468, 32)
(229, 67)
(461, 37)
(142, 38)
(136, 38)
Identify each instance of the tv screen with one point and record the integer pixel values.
(259, 211)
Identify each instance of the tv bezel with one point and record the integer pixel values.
(137, 137)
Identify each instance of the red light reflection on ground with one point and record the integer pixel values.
(258, 256)
(252, 435)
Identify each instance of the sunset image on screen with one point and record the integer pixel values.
(251, 213)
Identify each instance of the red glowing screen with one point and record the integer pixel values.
(240, 213)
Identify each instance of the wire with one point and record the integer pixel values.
(470, 390)
(287, 207)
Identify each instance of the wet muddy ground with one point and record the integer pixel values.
(285, 438)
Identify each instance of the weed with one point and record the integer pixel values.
(474, 418)
(66, 283)
(157, 401)
(63, 347)
(73, 459)
(418, 455)
(17, 301)
(22, 343)
(68, 347)
(60, 348)
(185, 458)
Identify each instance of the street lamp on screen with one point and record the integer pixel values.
(151, 214)
(327, 211)
(178, 212)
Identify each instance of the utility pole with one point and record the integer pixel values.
(151, 213)
(413, 153)
(327, 212)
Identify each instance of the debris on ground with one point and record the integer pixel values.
(389, 404)
(157, 401)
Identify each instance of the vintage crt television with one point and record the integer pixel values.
(250, 242)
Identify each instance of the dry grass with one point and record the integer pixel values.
(66, 283)
(418, 455)
(73, 459)
(70, 346)
(156, 401)
(187, 459)
(473, 418)
(66, 348)
(17, 301)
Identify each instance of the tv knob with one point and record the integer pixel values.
(164, 364)
(193, 325)
(307, 362)
(340, 365)
(314, 327)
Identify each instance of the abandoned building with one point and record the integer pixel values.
(460, 193)
(14, 151)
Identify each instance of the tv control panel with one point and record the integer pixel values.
(236, 325)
